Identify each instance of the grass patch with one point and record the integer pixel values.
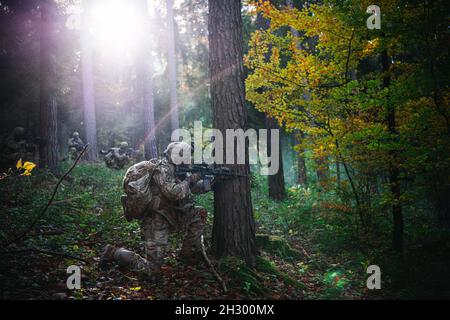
(253, 281)
(278, 246)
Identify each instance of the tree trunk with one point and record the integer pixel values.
(301, 164)
(277, 190)
(48, 108)
(322, 170)
(90, 121)
(338, 173)
(276, 181)
(234, 226)
(172, 65)
(145, 75)
(394, 171)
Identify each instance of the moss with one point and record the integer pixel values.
(241, 276)
(267, 266)
(278, 246)
(252, 280)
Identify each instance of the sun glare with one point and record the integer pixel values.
(117, 26)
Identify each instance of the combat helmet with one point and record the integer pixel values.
(175, 152)
(123, 145)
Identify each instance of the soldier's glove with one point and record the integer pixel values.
(194, 178)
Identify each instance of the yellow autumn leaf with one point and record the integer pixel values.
(19, 164)
(29, 166)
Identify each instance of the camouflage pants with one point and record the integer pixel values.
(156, 229)
(115, 163)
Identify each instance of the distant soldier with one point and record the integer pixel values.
(75, 145)
(16, 147)
(117, 158)
(163, 202)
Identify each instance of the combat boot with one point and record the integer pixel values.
(107, 255)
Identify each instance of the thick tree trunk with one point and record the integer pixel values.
(234, 226)
(145, 74)
(277, 189)
(48, 108)
(394, 171)
(87, 67)
(172, 65)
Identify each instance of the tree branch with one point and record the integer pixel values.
(210, 265)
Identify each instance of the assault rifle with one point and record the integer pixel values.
(129, 152)
(206, 171)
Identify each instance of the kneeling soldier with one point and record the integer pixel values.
(117, 158)
(171, 208)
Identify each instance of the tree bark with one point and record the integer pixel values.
(338, 173)
(172, 65)
(277, 189)
(48, 107)
(234, 226)
(394, 171)
(301, 164)
(90, 121)
(145, 75)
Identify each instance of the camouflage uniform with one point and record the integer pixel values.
(117, 158)
(172, 209)
(75, 145)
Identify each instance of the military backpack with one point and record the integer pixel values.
(136, 184)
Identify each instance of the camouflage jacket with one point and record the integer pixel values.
(172, 195)
(114, 158)
(75, 143)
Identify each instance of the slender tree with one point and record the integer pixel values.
(48, 107)
(301, 163)
(234, 227)
(302, 178)
(172, 65)
(90, 121)
(277, 189)
(394, 172)
(145, 76)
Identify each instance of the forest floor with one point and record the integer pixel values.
(86, 215)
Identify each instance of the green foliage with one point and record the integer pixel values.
(86, 209)
(318, 70)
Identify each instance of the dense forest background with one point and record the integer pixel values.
(365, 122)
